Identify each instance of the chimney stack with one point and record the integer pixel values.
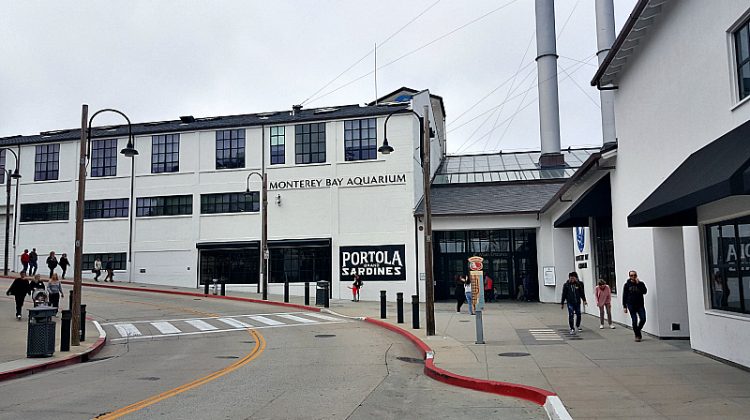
(546, 63)
(605, 37)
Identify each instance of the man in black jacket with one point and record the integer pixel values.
(20, 288)
(632, 301)
(573, 293)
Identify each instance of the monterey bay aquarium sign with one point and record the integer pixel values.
(374, 263)
(351, 181)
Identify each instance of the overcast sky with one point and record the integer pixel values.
(160, 60)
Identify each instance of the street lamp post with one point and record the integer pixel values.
(264, 228)
(8, 176)
(425, 162)
(131, 152)
(80, 203)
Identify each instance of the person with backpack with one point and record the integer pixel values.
(33, 259)
(573, 294)
(19, 289)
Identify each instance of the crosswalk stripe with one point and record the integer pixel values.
(298, 319)
(127, 330)
(235, 323)
(321, 316)
(265, 320)
(201, 325)
(165, 328)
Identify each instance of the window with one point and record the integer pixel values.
(106, 209)
(360, 139)
(104, 157)
(165, 153)
(604, 251)
(277, 145)
(40, 212)
(230, 149)
(298, 264)
(742, 51)
(728, 248)
(452, 242)
(2, 166)
(119, 260)
(164, 206)
(230, 203)
(310, 143)
(47, 162)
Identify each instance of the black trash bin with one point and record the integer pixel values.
(41, 337)
(321, 293)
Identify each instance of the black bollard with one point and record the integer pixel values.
(205, 288)
(415, 312)
(307, 293)
(70, 300)
(382, 304)
(223, 289)
(83, 322)
(65, 331)
(400, 307)
(327, 301)
(286, 291)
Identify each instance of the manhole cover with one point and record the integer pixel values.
(325, 335)
(149, 378)
(227, 357)
(513, 354)
(410, 359)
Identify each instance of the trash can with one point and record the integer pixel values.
(321, 293)
(41, 337)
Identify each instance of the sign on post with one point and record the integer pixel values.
(476, 276)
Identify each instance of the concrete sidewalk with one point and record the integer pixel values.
(597, 374)
(13, 360)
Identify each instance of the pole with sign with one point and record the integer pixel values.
(476, 276)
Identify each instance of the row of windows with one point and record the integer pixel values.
(118, 260)
(360, 143)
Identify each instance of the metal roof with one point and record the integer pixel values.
(212, 123)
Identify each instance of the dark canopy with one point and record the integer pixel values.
(595, 202)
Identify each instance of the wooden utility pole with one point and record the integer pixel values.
(75, 321)
(429, 283)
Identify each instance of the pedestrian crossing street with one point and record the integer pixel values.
(138, 330)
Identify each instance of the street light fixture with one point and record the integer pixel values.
(8, 176)
(425, 134)
(264, 228)
(80, 204)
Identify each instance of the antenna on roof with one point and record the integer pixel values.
(376, 74)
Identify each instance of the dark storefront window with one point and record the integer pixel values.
(728, 248)
(230, 266)
(510, 259)
(604, 251)
(300, 264)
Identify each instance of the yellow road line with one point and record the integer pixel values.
(260, 345)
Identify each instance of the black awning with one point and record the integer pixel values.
(595, 202)
(718, 170)
(280, 243)
(229, 245)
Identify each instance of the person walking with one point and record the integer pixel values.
(52, 263)
(467, 292)
(604, 301)
(359, 283)
(110, 270)
(459, 293)
(489, 289)
(33, 260)
(573, 294)
(25, 261)
(54, 290)
(632, 301)
(19, 289)
(64, 264)
(97, 268)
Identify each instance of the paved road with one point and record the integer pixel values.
(176, 357)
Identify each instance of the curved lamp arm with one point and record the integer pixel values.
(15, 174)
(129, 150)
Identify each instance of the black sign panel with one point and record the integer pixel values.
(374, 263)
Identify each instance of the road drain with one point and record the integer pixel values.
(513, 354)
(325, 335)
(409, 359)
(197, 299)
(463, 320)
(149, 378)
(227, 357)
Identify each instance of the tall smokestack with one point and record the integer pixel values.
(546, 64)
(605, 37)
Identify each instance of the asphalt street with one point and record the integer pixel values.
(176, 357)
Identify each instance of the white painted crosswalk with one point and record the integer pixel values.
(134, 330)
(545, 334)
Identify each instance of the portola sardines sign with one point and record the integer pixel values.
(374, 263)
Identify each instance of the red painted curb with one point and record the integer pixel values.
(70, 360)
(529, 393)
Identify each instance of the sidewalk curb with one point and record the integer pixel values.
(72, 359)
(549, 400)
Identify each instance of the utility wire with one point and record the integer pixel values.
(417, 49)
(372, 50)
